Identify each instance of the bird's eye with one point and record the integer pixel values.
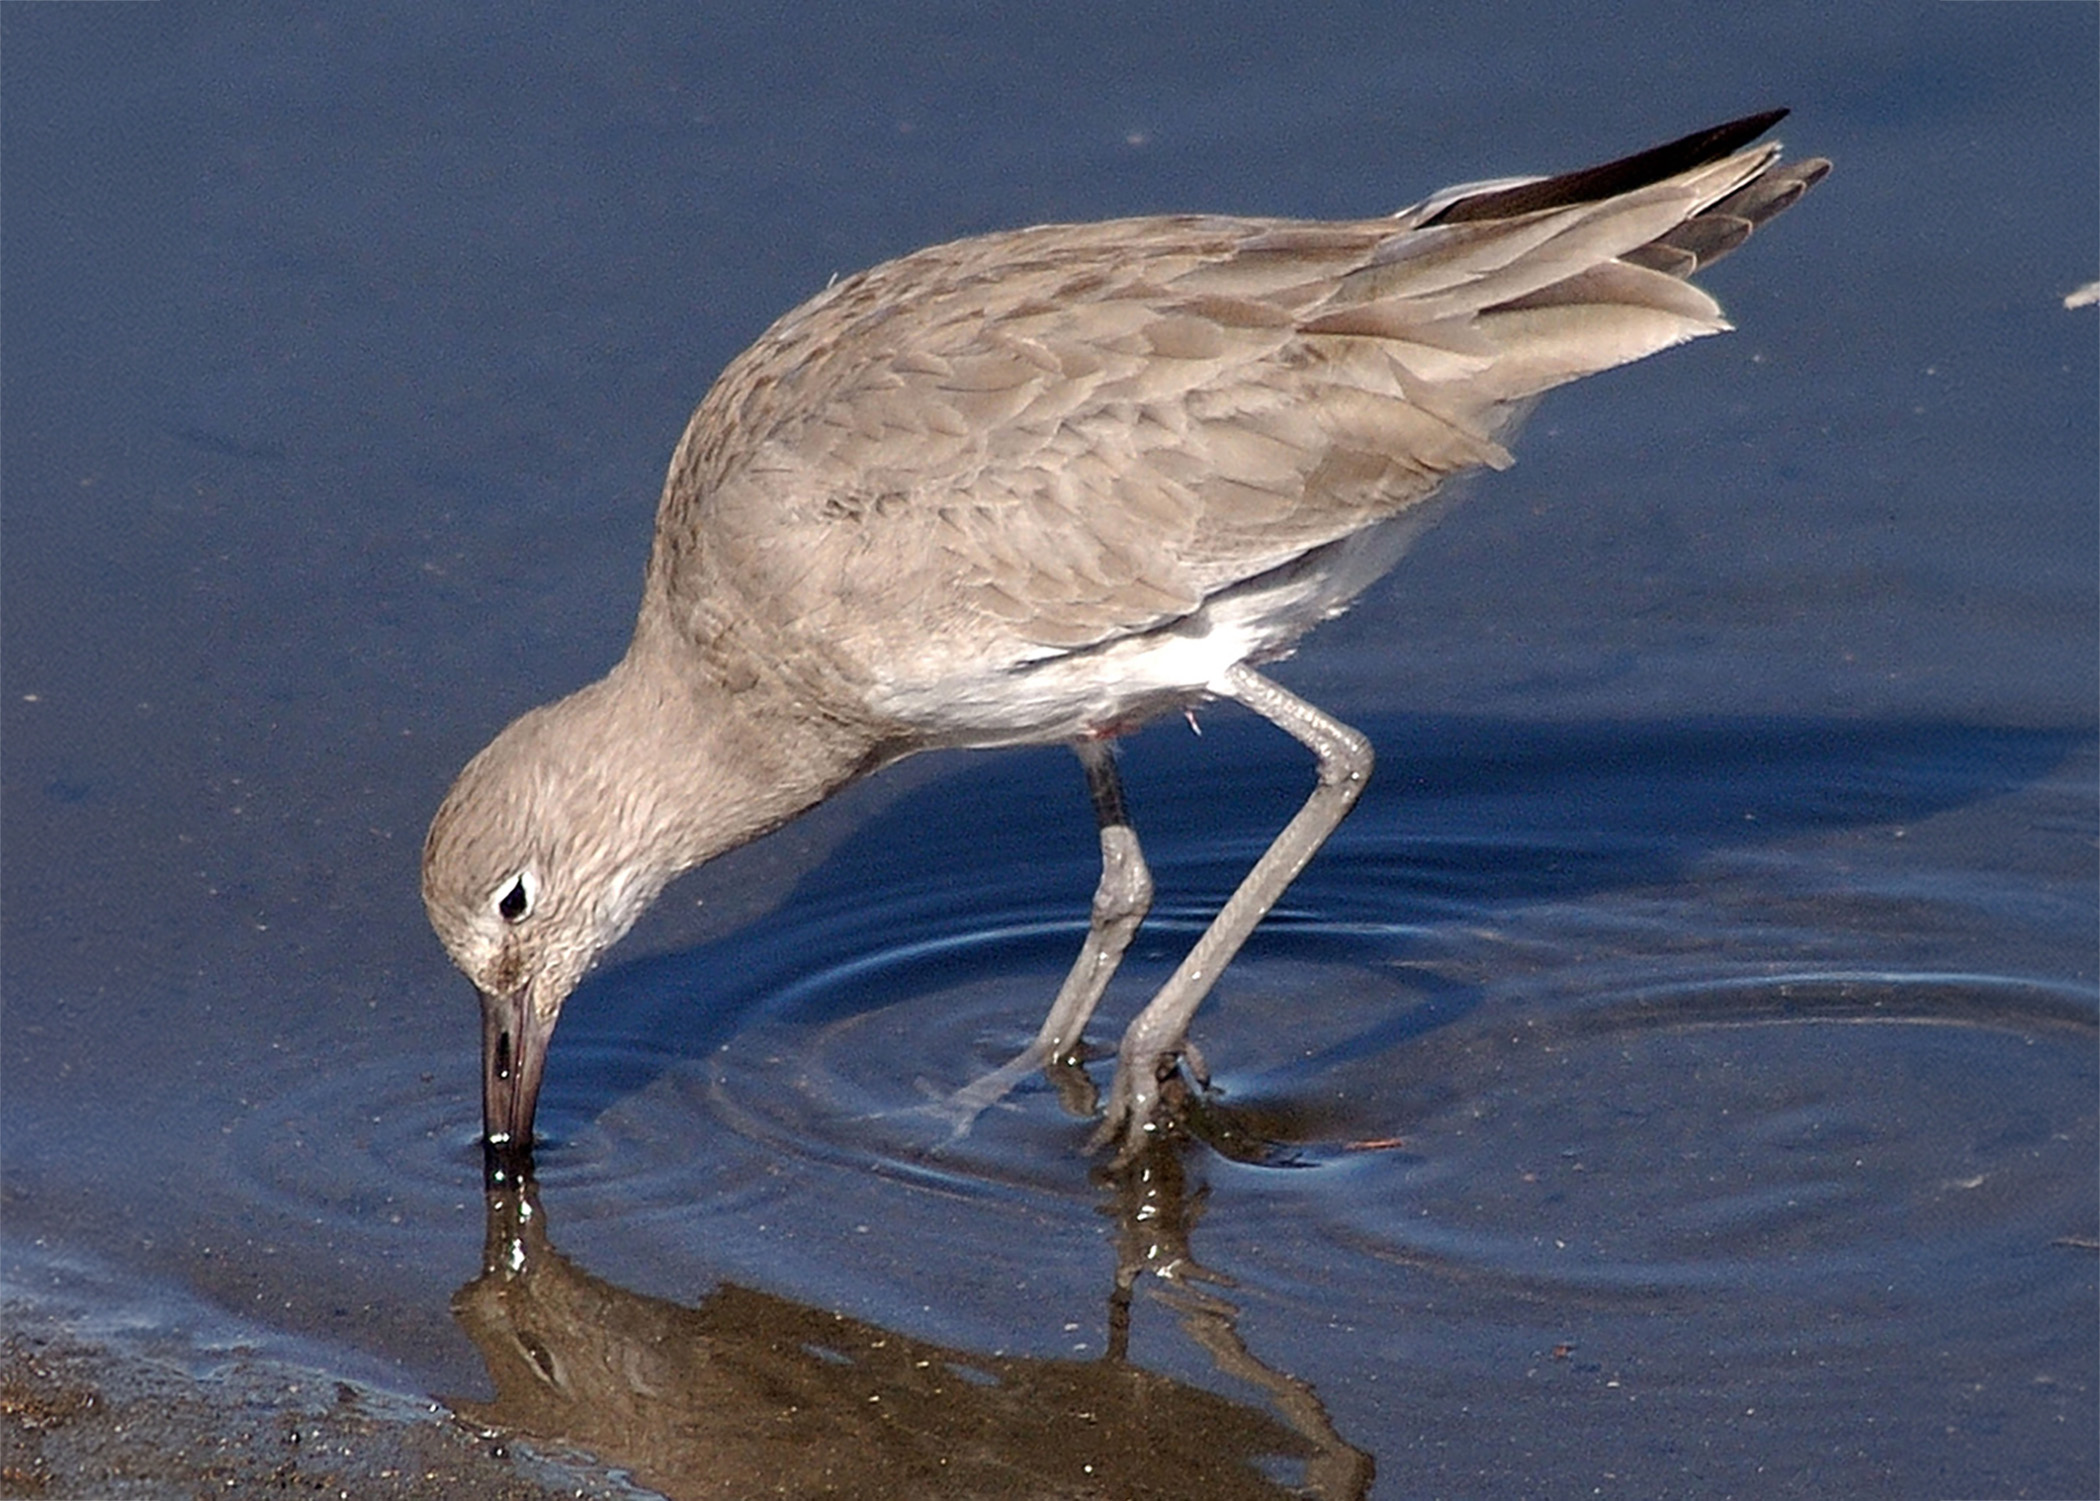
(514, 905)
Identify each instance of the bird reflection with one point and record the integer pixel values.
(750, 1393)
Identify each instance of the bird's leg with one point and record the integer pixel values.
(1120, 904)
(1121, 901)
(1153, 1044)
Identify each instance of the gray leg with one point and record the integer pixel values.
(1157, 1037)
(1121, 901)
(1120, 904)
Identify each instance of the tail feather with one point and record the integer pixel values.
(1683, 249)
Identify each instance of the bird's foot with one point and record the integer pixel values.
(961, 1108)
(1142, 1100)
(1066, 1072)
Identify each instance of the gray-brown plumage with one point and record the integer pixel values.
(1044, 485)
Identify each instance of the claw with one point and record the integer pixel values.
(1134, 1115)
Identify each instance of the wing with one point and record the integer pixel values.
(1044, 440)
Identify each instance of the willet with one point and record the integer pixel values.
(1043, 486)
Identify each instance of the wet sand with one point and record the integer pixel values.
(84, 1420)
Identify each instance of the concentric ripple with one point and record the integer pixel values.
(393, 1143)
(1785, 1132)
(871, 1059)
(858, 1062)
(1535, 1107)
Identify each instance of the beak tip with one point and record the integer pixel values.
(506, 1162)
(514, 1054)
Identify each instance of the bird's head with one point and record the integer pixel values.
(541, 857)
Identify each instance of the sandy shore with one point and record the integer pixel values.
(81, 1420)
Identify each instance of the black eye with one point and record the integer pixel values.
(515, 905)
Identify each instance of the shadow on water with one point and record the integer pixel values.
(749, 1392)
(1469, 824)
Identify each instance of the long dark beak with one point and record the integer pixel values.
(513, 1057)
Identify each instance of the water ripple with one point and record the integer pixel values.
(1789, 1131)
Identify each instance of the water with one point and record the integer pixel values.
(1677, 1077)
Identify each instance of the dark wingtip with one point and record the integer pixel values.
(1591, 184)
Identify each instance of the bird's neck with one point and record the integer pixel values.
(726, 760)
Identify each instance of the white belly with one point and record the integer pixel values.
(1060, 695)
